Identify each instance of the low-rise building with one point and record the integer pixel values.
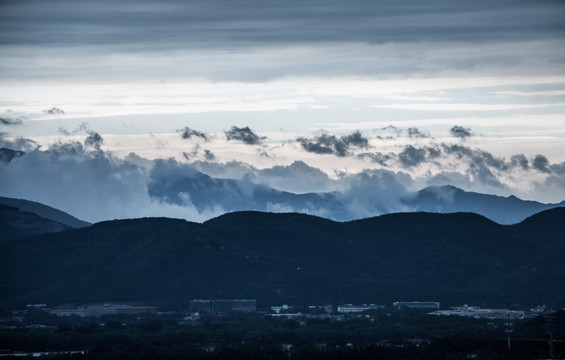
(350, 308)
(416, 305)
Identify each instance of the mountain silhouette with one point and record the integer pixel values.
(44, 211)
(293, 258)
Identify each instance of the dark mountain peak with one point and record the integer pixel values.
(551, 217)
(149, 221)
(259, 217)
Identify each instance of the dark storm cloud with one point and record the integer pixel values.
(412, 156)
(54, 111)
(461, 132)
(415, 133)
(355, 139)
(520, 160)
(209, 156)
(93, 139)
(324, 143)
(187, 133)
(10, 121)
(478, 165)
(205, 23)
(558, 169)
(244, 134)
(540, 163)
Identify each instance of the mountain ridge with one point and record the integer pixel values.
(293, 258)
(206, 193)
(44, 211)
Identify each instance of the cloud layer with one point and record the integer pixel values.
(93, 184)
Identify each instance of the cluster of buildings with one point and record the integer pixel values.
(222, 305)
(478, 313)
(198, 307)
(98, 310)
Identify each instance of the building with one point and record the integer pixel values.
(478, 313)
(244, 305)
(222, 305)
(81, 312)
(416, 305)
(114, 309)
(350, 308)
(98, 310)
(284, 308)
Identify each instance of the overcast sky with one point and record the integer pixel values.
(467, 93)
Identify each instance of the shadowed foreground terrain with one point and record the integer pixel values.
(292, 258)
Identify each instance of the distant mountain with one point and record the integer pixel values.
(44, 211)
(449, 199)
(17, 224)
(293, 258)
(208, 194)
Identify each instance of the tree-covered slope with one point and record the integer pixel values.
(293, 258)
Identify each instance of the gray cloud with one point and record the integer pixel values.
(257, 22)
(231, 28)
(93, 139)
(4, 120)
(54, 111)
(541, 164)
(82, 127)
(479, 166)
(355, 139)
(520, 160)
(208, 155)
(558, 169)
(415, 133)
(93, 186)
(297, 177)
(324, 143)
(461, 132)
(244, 134)
(412, 156)
(69, 175)
(187, 133)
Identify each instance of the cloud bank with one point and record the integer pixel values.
(93, 184)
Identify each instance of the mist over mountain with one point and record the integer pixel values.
(91, 184)
(207, 193)
(293, 258)
(449, 199)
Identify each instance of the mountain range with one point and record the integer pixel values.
(293, 258)
(207, 193)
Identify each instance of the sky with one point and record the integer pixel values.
(371, 100)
